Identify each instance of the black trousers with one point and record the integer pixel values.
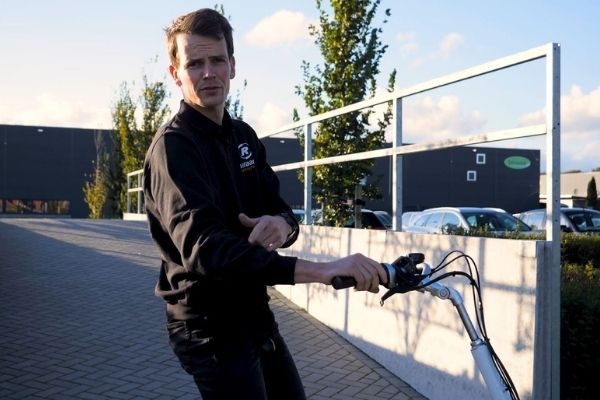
(241, 369)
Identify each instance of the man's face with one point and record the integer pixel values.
(203, 73)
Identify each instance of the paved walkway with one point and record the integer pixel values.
(78, 320)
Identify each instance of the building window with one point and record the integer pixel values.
(471, 176)
(480, 158)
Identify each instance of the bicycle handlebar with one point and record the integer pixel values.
(402, 275)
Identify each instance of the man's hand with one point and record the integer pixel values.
(368, 273)
(268, 231)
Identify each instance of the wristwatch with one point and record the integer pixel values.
(292, 222)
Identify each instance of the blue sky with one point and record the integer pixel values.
(63, 61)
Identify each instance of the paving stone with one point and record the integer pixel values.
(80, 321)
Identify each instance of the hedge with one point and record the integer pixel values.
(580, 249)
(580, 317)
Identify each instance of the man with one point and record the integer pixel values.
(215, 213)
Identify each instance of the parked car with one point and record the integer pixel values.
(408, 218)
(449, 220)
(576, 220)
(384, 217)
(372, 220)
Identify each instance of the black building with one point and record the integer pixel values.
(472, 176)
(43, 171)
(460, 176)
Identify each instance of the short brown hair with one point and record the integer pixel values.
(205, 22)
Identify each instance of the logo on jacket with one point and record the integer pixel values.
(245, 154)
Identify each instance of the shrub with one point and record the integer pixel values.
(580, 324)
(580, 249)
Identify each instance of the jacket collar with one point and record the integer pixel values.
(202, 124)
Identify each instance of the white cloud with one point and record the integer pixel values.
(417, 62)
(445, 49)
(426, 119)
(450, 43)
(581, 111)
(48, 110)
(578, 110)
(283, 27)
(408, 44)
(580, 128)
(406, 37)
(270, 117)
(408, 48)
(532, 118)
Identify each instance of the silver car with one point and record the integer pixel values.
(450, 220)
(576, 220)
(408, 218)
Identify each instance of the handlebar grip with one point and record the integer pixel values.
(343, 282)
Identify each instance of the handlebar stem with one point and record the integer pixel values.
(445, 293)
(479, 348)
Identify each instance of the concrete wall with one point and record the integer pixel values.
(416, 336)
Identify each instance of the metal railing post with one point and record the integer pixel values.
(397, 181)
(128, 193)
(547, 347)
(308, 153)
(139, 193)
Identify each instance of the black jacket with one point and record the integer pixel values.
(198, 176)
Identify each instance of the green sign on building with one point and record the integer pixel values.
(517, 162)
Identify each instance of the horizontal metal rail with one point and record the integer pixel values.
(534, 130)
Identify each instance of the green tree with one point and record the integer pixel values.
(95, 191)
(135, 123)
(234, 104)
(99, 191)
(351, 51)
(592, 194)
(133, 137)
